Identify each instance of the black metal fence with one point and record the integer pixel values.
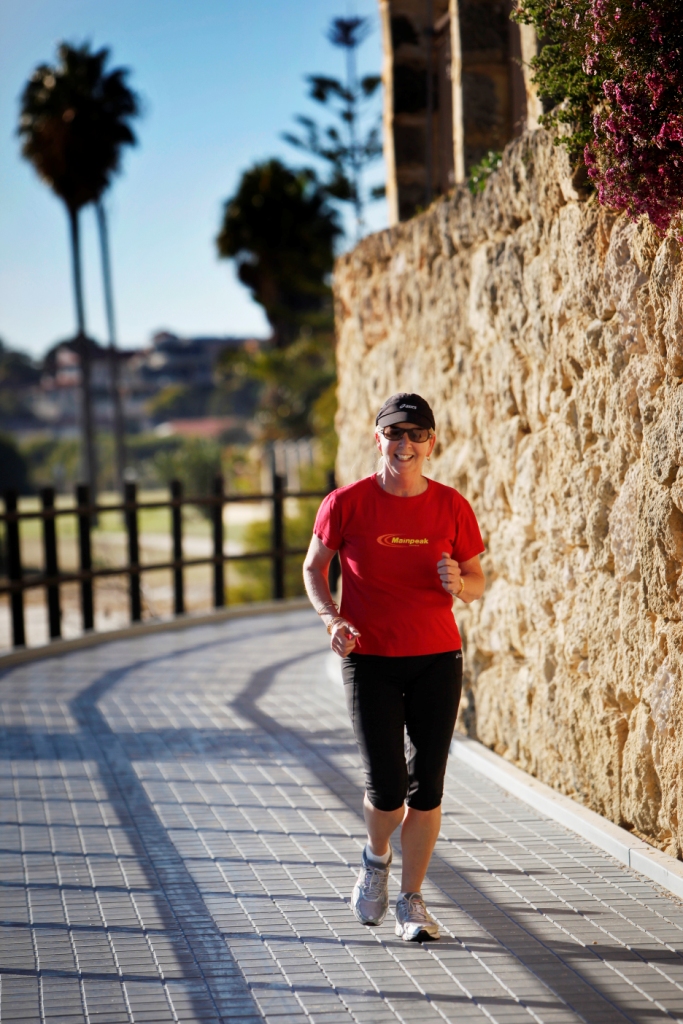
(86, 512)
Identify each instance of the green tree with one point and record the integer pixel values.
(17, 369)
(178, 401)
(74, 122)
(292, 381)
(281, 230)
(18, 373)
(13, 467)
(347, 146)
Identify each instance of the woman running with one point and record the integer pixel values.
(408, 546)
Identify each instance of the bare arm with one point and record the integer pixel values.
(316, 568)
(464, 580)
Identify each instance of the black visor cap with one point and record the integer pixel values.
(406, 408)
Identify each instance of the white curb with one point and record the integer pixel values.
(637, 854)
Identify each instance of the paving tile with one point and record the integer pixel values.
(180, 829)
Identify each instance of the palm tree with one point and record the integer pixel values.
(280, 230)
(119, 423)
(74, 122)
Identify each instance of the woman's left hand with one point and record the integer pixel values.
(449, 573)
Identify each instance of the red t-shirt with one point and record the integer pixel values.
(389, 547)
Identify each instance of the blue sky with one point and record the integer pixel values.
(220, 80)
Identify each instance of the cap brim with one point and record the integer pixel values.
(404, 416)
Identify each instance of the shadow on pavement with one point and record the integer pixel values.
(187, 921)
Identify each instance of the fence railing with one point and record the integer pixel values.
(86, 513)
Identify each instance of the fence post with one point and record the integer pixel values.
(219, 560)
(47, 496)
(334, 571)
(131, 501)
(14, 570)
(278, 539)
(177, 527)
(85, 555)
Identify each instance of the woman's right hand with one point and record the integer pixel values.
(343, 637)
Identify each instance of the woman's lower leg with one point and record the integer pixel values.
(418, 838)
(419, 832)
(380, 825)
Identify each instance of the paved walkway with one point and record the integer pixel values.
(180, 833)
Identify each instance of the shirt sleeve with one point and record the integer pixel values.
(468, 542)
(328, 522)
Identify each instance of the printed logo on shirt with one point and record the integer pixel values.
(397, 540)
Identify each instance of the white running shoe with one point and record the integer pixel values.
(370, 897)
(414, 923)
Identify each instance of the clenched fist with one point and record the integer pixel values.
(449, 574)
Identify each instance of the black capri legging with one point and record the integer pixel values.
(384, 694)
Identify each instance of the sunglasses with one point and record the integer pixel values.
(416, 434)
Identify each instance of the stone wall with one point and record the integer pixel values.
(548, 335)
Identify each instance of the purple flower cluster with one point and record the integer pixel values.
(636, 156)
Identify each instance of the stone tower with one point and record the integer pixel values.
(456, 85)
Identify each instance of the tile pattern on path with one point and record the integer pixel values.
(181, 830)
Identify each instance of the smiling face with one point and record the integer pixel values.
(405, 457)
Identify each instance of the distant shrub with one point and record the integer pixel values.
(52, 462)
(252, 580)
(196, 463)
(13, 467)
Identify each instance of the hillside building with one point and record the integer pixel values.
(169, 362)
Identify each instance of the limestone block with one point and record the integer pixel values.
(623, 528)
(666, 291)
